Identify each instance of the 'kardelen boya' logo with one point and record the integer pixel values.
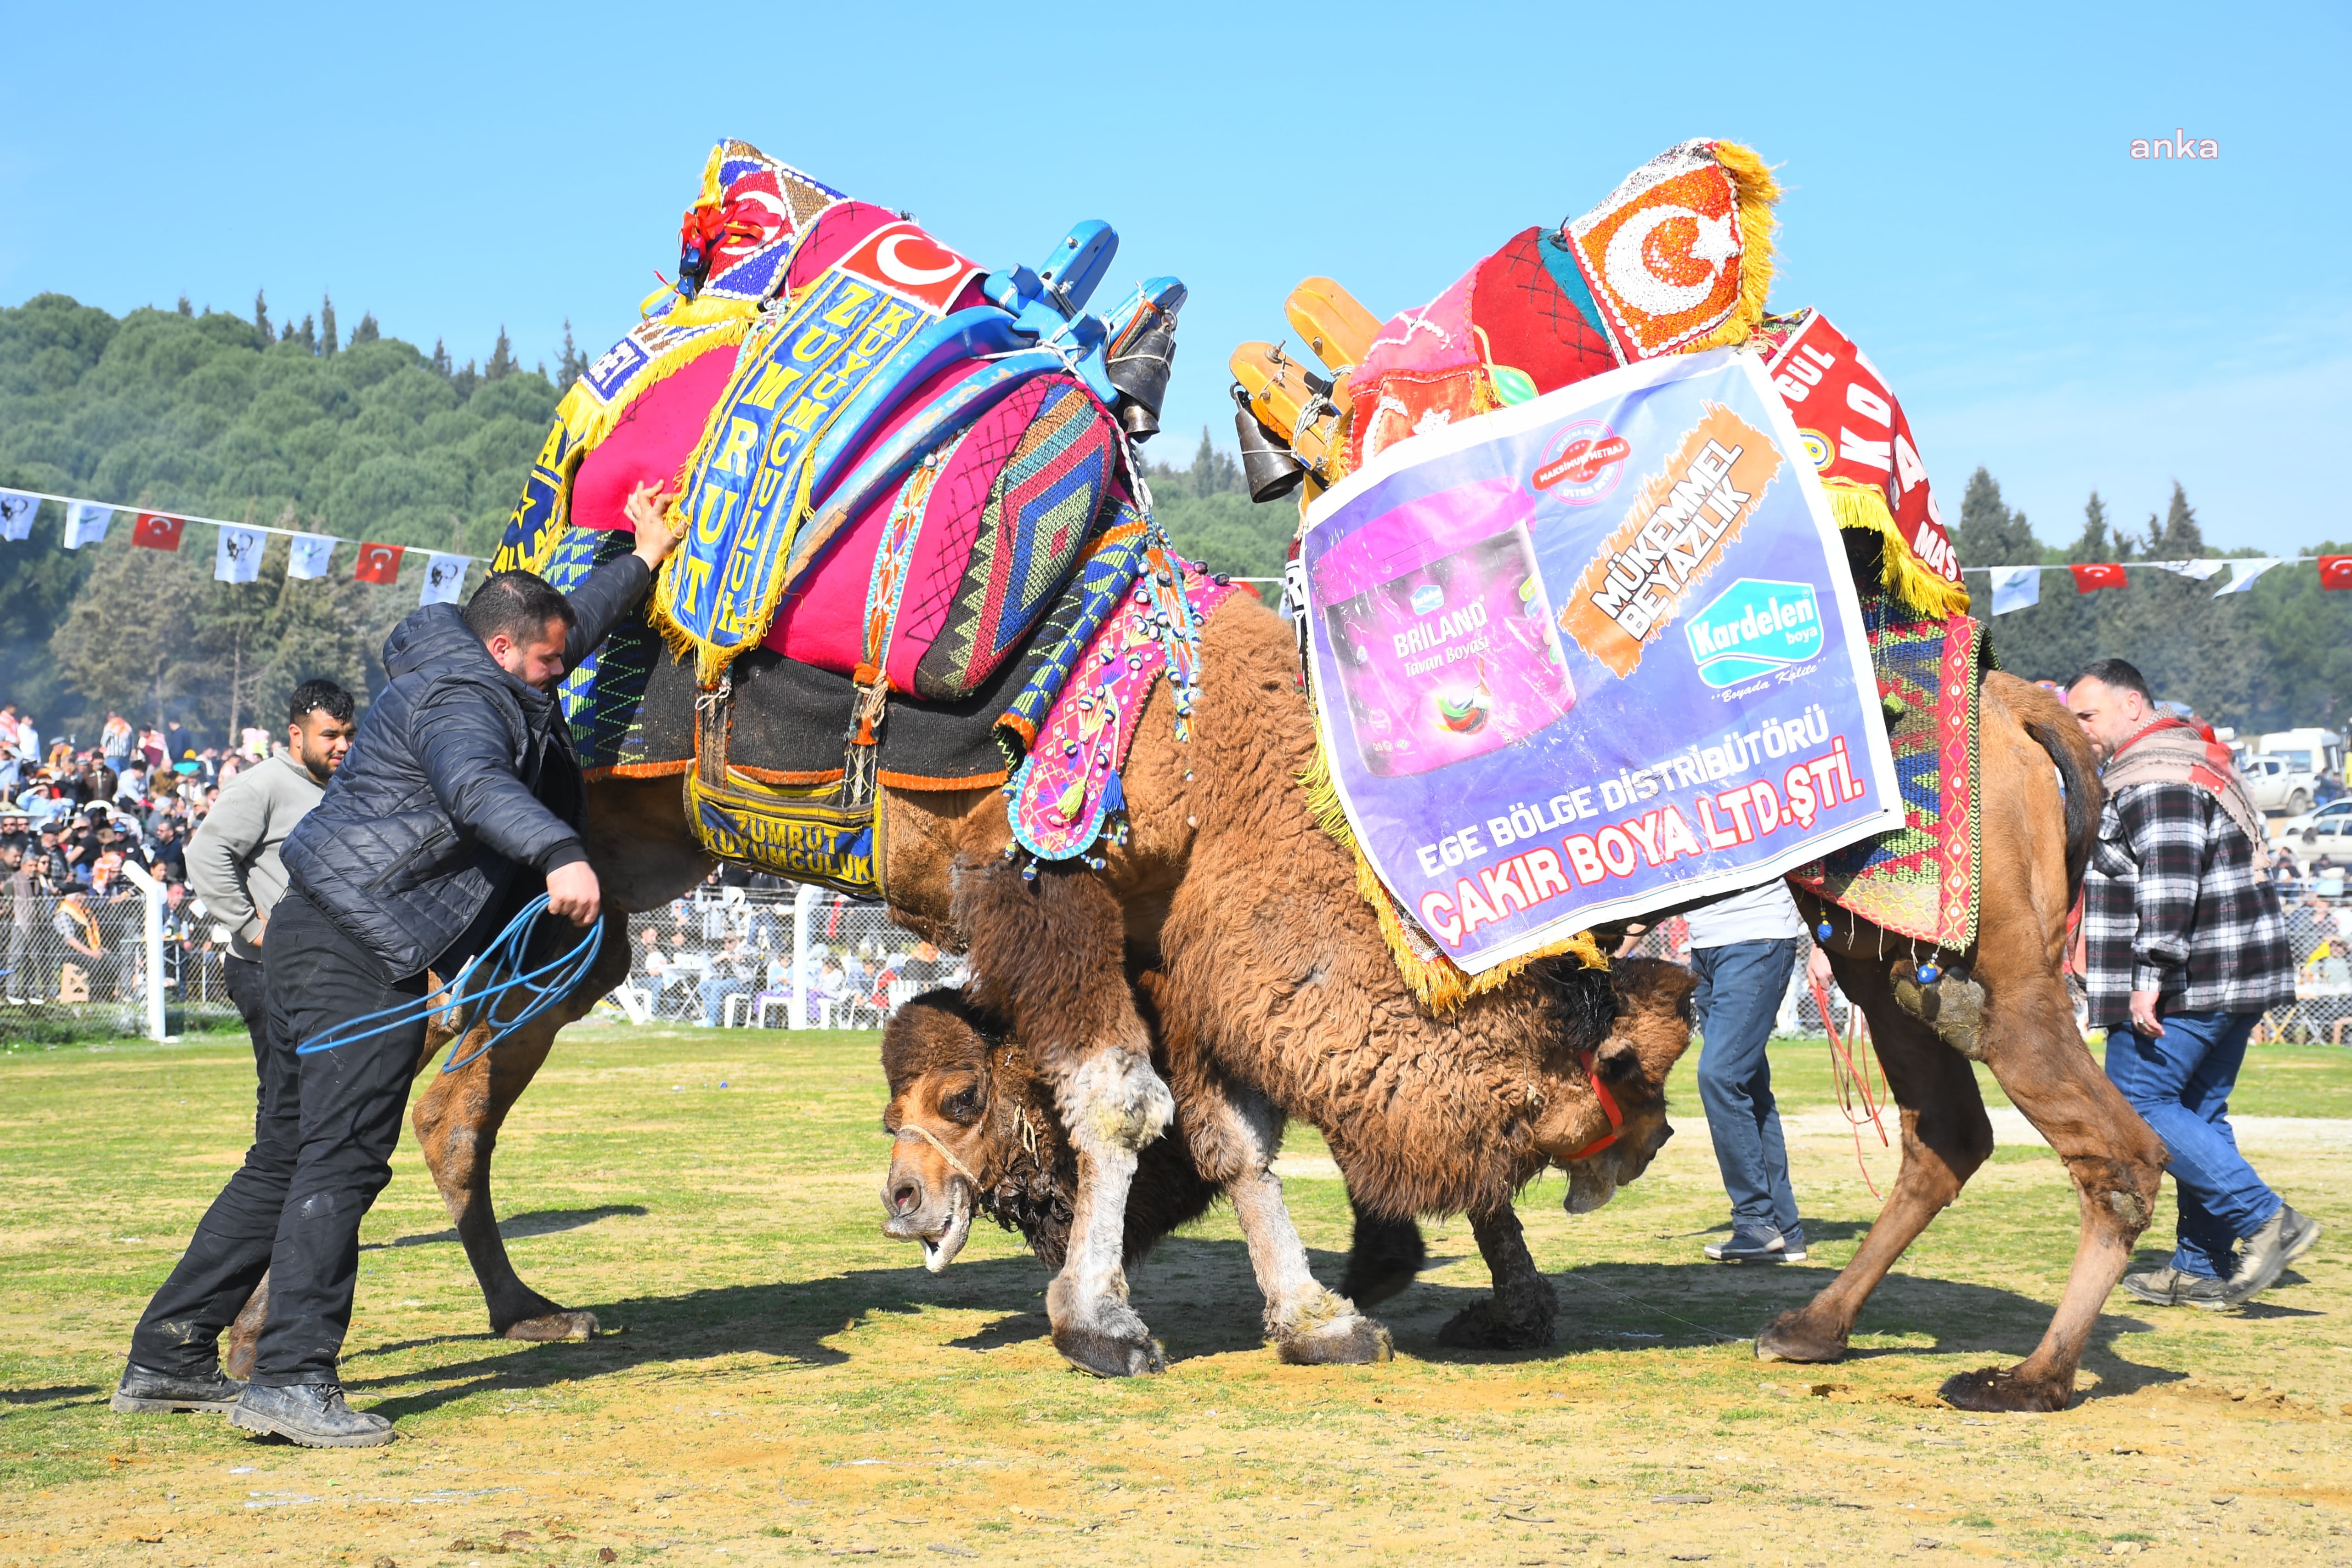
(1672, 536)
(1752, 628)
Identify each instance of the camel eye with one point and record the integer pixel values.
(963, 1106)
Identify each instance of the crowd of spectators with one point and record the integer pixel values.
(74, 817)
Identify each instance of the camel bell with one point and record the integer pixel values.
(1269, 469)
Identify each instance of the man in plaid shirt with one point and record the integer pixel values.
(2185, 948)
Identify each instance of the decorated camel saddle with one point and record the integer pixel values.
(915, 537)
(1617, 591)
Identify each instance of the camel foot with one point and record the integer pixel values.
(1998, 1391)
(1385, 1259)
(1110, 1342)
(238, 1360)
(1483, 1326)
(1350, 1339)
(1789, 1338)
(551, 1327)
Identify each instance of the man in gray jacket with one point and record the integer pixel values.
(232, 859)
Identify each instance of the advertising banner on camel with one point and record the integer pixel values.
(1591, 655)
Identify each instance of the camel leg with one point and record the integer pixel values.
(1945, 1136)
(1233, 1137)
(458, 1120)
(1385, 1256)
(1519, 1315)
(1049, 957)
(245, 1334)
(2115, 1159)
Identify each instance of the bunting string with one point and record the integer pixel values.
(2020, 587)
(237, 555)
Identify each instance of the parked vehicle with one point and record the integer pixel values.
(2306, 828)
(2311, 748)
(2277, 784)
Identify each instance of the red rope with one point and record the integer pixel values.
(1853, 1080)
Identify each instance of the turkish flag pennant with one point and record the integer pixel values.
(378, 564)
(2089, 579)
(2335, 571)
(157, 531)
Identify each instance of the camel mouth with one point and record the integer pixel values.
(942, 1249)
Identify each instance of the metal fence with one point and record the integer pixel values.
(794, 958)
(2319, 933)
(799, 958)
(76, 965)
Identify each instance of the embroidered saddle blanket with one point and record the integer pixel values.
(899, 472)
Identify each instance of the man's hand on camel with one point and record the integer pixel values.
(648, 510)
(572, 892)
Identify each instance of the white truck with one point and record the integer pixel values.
(2283, 769)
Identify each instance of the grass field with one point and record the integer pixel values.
(785, 1383)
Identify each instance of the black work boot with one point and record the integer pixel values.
(144, 1390)
(311, 1413)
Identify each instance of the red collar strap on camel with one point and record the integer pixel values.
(2171, 751)
(1609, 1107)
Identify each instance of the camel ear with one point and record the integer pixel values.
(1618, 1059)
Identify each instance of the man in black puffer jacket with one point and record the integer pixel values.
(459, 794)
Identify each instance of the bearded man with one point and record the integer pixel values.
(2185, 949)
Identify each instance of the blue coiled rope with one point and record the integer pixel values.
(499, 969)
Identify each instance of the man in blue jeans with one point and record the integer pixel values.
(2185, 948)
(1743, 949)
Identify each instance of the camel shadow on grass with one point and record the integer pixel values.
(1201, 1298)
(538, 1222)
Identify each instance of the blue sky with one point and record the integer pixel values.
(1961, 198)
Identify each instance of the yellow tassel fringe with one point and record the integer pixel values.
(1862, 508)
(1439, 983)
(1751, 177)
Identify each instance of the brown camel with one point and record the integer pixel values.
(1223, 869)
(973, 1132)
(977, 1134)
(2004, 1004)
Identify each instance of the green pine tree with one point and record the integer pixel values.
(327, 343)
(261, 316)
(367, 331)
(572, 364)
(501, 363)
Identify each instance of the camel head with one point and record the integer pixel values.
(1627, 1070)
(973, 1133)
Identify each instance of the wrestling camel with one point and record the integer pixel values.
(973, 1132)
(1223, 879)
(2004, 1004)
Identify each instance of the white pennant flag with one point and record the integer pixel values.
(238, 557)
(16, 513)
(445, 579)
(2197, 570)
(2015, 588)
(309, 556)
(86, 524)
(2248, 570)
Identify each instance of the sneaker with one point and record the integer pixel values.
(2168, 1287)
(1746, 1246)
(144, 1391)
(311, 1413)
(1792, 1245)
(2285, 1237)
